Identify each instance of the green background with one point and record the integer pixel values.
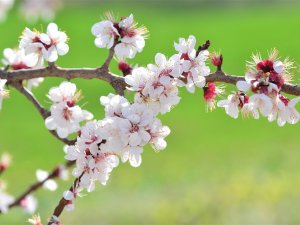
(215, 170)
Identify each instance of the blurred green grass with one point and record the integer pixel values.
(216, 170)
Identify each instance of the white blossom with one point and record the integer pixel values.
(5, 201)
(132, 38)
(58, 43)
(113, 104)
(105, 33)
(29, 204)
(129, 39)
(49, 184)
(138, 120)
(186, 46)
(231, 105)
(66, 119)
(289, 113)
(166, 68)
(70, 196)
(92, 161)
(193, 63)
(129, 46)
(158, 134)
(65, 116)
(196, 70)
(17, 59)
(65, 92)
(138, 79)
(45, 45)
(156, 90)
(243, 86)
(258, 103)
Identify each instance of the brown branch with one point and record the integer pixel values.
(44, 112)
(67, 73)
(63, 202)
(116, 81)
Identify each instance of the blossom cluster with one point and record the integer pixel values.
(157, 85)
(124, 35)
(125, 130)
(128, 127)
(34, 48)
(264, 79)
(44, 46)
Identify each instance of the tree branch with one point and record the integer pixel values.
(117, 82)
(34, 187)
(67, 73)
(63, 202)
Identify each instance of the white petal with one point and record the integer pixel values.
(52, 55)
(243, 86)
(62, 48)
(52, 30)
(51, 185)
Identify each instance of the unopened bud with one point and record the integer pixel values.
(125, 68)
(216, 59)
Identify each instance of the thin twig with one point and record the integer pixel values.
(35, 186)
(109, 58)
(63, 202)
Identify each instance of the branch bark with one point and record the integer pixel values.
(117, 82)
(63, 202)
(68, 73)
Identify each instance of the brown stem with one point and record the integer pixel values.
(109, 57)
(66, 73)
(63, 202)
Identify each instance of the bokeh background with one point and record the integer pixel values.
(216, 170)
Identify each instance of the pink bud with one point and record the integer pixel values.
(125, 68)
(216, 59)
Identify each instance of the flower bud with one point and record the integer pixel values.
(216, 59)
(125, 68)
